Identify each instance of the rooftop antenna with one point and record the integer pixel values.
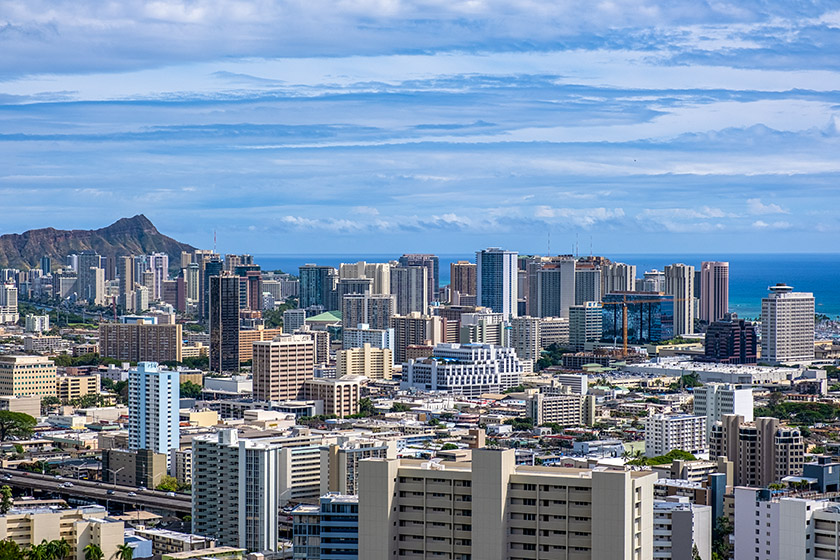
(590, 245)
(549, 242)
(214, 240)
(577, 245)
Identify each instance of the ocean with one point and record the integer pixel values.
(749, 274)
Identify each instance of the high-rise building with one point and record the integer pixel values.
(649, 317)
(141, 341)
(37, 323)
(787, 325)
(525, 338)
(492, 509)
(253, 280)
(565, 409)
(585, 324)
(714, 290)
(224, 323)
(731, 341)
(679, 283)
(379, 273)
(153, 408)
(465, 369)
(281, 366)
(371, 362)
(496, 280)
(432, 265)
(340, 461)
(159, 265)
(412, 329)
(410, 287)
(340, 395)
(618, 277)
(317, 284)
(46, 265)
(328, 530)
(462, 277)
(715, 400)
(362, 334)
(372, 309)
(551, 286)
(8, 303)
(88, 262)
(293, 319)
(125, 270)
(667, 432)
(587, 282)
(681, 529)
(211, 266)
(762, 452)
(27, 375)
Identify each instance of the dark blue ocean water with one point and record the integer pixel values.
(749, 274)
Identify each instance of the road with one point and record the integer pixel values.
(152, 500)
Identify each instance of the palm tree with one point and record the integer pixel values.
(125, 552)
(59, 549)
(93, 552)
(38, 552)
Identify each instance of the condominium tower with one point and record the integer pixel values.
(496, 280)
(714, 290)
(787, 325)
(224, 323)
(153, 403)
(679, 283)
(281, 366)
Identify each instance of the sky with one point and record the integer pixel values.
(354, 126)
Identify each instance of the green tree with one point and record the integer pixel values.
(9, 550)
(58, 549)
(6, 501)
(125, 552)
(190, 390)
(93, 552)
(47, 403)
(15, 425)
(447, 446)
(167, 484)
(39, 551)
(366, 407)
(720, 537)
(400, 407)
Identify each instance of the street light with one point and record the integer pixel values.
(114, 473)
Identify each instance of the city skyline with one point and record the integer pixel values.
(366, 126)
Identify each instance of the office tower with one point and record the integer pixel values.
(362, 334)
(281, 366)
(191, 274)
(321, 340)
(410, 287)
(174, 292)
(236, 490)
(327, 530)
(293, 319)
(462, 277)
(762, 452)
(551, 286)
(412, 329)
(253, 280)
(371, 309)
(585, 324)
(679, 283)
(525, 338)
(379, 273)
(715, 400)
(87, 263)
(566, 409)
(787, 325)
(432, 265)
(125, 270)
(731, 341)
(714, 290)
(153, 403)
(46, 265)
(212, 267)
(141, 341)
(317, 284)
(8, 303)
(618, 277)
(158, 263)
(27, 375)
(373, 363)
(465, 369)
(666, 432)
(496, 280)
(340, 396)
(492, 509)
(681, 528)
(652, 281)
(587, 283)
(649, 317)
(224, 323)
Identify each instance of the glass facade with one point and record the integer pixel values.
(650, 317)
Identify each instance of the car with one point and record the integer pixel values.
(171, 494)
(59, 477)
(110, 492)
(132, 494)
(141, 489)
(67, 484)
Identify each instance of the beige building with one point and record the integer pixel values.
(141, 467)
(565, 409)
(340, 462)
(199, 418)
(197, 377)
(30, 405)
(491, 509)
(247, 338)
(27, 375)
(341, 396)
(69, 387)
(79, 527)
(415, 328)
(141, 342)
(282, 366)
(373, 363)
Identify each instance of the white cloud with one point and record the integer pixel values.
(758, 208)
(760, 224)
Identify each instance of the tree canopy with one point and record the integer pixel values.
(15, 425)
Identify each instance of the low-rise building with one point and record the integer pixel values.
(27, 375)
(328, 530)
(71, 387)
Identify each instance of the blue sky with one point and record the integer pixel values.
(389, 125)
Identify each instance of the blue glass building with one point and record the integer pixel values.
(650, 317)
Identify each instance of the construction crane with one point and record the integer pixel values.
(624, 305)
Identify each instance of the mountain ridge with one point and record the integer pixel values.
(127, 236)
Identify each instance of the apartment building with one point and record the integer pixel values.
(680, 525)
(564, 408)
(341, 461)
(340, 395)
(281, 366)
(141, 342)
(666, 432)
(715, 400)
(69, 387)
(27, 375)
(328, 530)
(371, 362)
(247, 338)
(492, 509)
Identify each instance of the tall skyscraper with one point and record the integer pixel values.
(46, 265)
(714, 290)
(462, 277)
(125, 270)
(787, 325)
(679, 283)
(618, 277)
(88, 262)
(212, 267)
(587, 283)
(731, 341)
(153, 408)
(8, 303)
(432, 265)
(585, 324)
(551, 286)
(224, 323)
(375, 310)
(496, 280)
(253, 278)
(317, 284)
(379, 273)
(410, 286)
(281, 366)
(415, 328)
